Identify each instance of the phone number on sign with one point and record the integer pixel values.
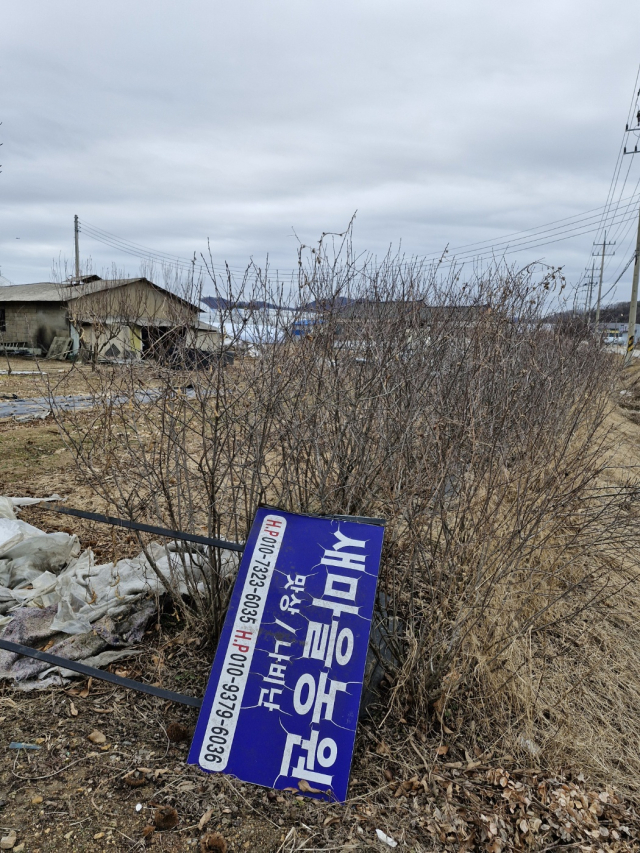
(227, 706)
(232, 681)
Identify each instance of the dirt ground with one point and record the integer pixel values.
(24, 377)
(101, 762)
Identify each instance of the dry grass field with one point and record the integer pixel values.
(428, 786)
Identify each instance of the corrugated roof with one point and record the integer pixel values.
(42, 291)
(51, 291)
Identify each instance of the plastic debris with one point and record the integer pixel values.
(49, 588)
(386, 839)
(19, 745)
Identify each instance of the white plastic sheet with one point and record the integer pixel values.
(70, 594)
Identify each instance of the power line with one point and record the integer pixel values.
(559, 230)
(131, 248)
(617, 169)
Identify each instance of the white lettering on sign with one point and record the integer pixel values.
(327, 642)
(227, 702)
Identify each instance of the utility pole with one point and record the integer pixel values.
(76, 234)
(633, 306)
(604, 252)
(587, 298)
(593, 268)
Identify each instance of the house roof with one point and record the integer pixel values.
(42, 291)
(51, 291)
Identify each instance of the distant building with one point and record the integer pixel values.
(119, 318)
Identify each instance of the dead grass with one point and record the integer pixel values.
(569, 696)
(35, 378)
(574, 698)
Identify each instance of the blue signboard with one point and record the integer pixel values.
(281, 706)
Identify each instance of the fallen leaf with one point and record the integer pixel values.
(438, 706)
(307, 789)
(329, 821)
(161, 772)
(73, 709)
(442, 750)
(468, 844)
(148, 830)
(97, 737)
(85, 691)
(382, 749)
(204, 820)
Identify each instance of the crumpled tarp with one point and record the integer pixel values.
(51, 591)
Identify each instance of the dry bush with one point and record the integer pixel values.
(447, 407)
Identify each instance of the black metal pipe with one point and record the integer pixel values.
(148, 528)
(92, 672)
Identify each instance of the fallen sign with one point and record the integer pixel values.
(281, 706)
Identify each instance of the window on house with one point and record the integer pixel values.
(3, 321)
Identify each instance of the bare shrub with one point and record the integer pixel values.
(447, 407)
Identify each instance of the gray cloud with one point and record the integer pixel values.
(169, 124)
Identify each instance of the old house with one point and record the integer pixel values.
(116, 318)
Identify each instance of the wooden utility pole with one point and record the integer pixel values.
(633, 307)
(76, 234)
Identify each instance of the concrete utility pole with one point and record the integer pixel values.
(590, 294)
(633, 307)
(76, 234)
(604, 252)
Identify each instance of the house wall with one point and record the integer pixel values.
(117, 341)
(34, 323)
(207, 340)
(135, 303)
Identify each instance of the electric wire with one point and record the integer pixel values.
(538, 237)
(129, 247)
(615, 235)
(542, 231)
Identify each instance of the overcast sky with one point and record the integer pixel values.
(169, 123)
